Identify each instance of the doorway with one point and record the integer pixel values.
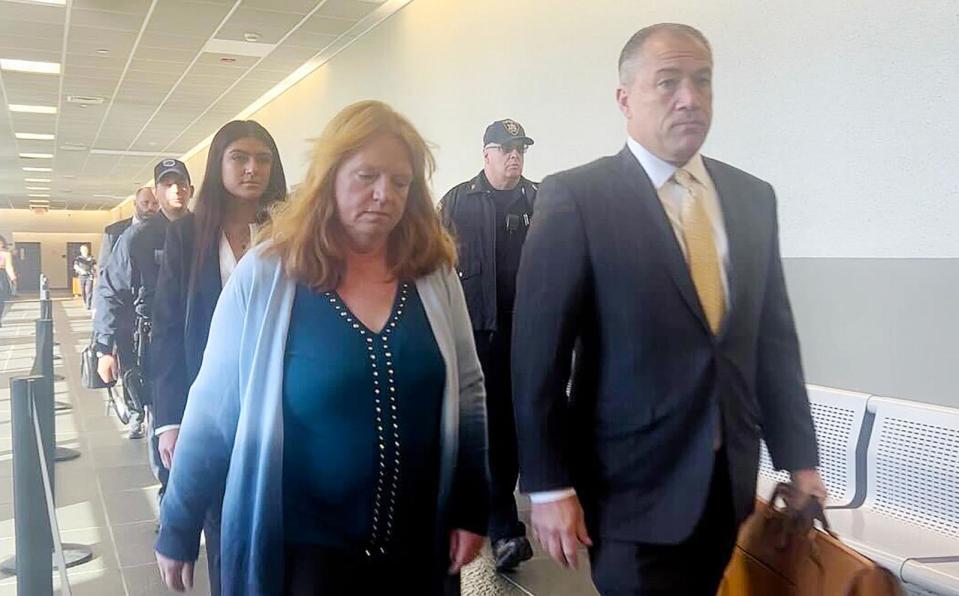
(28, 265)
(73, 251)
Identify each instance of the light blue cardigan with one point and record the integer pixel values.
(232, 430)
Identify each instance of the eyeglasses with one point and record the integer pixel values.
(509, 148)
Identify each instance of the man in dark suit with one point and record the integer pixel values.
(665, 266)
(145, 206)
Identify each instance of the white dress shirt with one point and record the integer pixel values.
(671, 195)
(227, 258)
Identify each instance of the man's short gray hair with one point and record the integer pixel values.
(633, 47)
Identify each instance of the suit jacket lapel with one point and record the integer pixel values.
(737, 229)
(641, 190)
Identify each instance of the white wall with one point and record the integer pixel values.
(53, 251)
(848, 108)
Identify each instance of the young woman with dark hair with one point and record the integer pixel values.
(243, 179)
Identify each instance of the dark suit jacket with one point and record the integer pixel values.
(181, 319)
(635, 439)
(111, 234)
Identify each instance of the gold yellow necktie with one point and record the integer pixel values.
(701, 255)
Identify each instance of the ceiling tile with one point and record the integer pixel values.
(300, 7)
(347, 9)
(202, 22)
(320, 23)
(309, 39)
(160, 40)
(122, 6)
(107, 20)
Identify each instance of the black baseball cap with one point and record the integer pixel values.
(506, 131)
(170, 165)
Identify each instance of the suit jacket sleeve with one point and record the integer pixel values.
(780, 387)
(167, 342)
(470, 502)
(551, 286)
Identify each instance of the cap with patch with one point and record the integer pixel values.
(506, 131)
(170, 165)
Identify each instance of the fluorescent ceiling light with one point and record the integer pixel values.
(47, 2)
(34, 136)
(36, 155)
(39, 196)
(17, 107)
(128, 152)
(36, 180)
(230, 47)
(33, 66)
(37, 169)
(38, 188)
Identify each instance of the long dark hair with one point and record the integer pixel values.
(211, 202)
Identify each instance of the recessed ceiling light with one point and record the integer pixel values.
(19, 107)
(34, 136)
(227, 60)
(36, 180)
(251, 37)
(30, 169)
(33, 66)
(38, 188)
(103, 51)
(36, 155)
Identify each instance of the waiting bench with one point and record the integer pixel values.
(909, 518)
(838, 417)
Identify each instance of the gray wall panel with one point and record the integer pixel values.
(882, 326)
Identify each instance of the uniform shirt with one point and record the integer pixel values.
(510, 204)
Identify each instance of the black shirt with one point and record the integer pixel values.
(512, 221)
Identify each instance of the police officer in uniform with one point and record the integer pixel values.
(489, 216)
(127, 284)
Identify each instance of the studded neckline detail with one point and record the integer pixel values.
(387, 420)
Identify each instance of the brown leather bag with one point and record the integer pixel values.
(779, 551)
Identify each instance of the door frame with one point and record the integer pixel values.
(17, 247)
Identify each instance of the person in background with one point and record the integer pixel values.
(244, 178)
(130, 277)
(145, 206)
(340, 389)
(85, 267)
(665, 265)
(489, 216)
(8, 275)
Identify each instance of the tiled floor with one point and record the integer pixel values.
(106, 499)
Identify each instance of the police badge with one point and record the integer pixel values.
(511, 127)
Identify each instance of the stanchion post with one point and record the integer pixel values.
(34, 540)
(44, 391)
